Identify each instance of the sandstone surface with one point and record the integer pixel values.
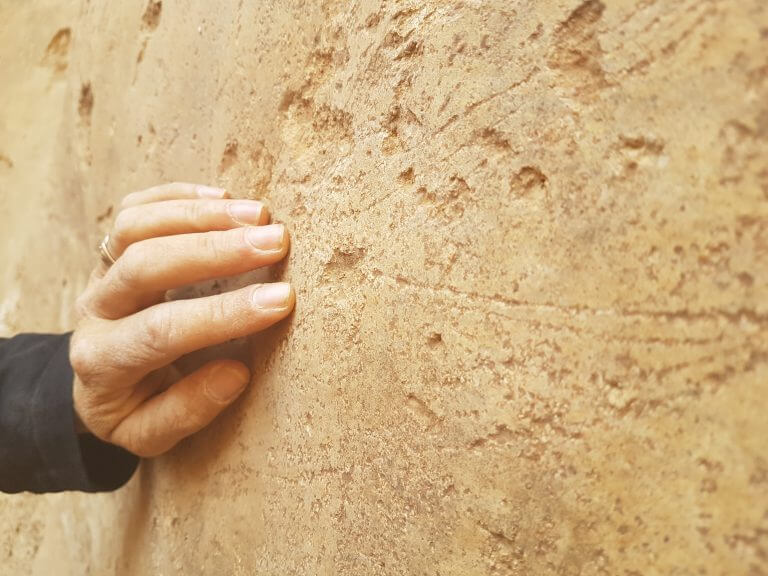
(530, 248)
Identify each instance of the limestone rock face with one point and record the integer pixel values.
(530, 249)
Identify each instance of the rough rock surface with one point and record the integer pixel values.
(530, 245)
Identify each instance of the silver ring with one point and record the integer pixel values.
(106, 255)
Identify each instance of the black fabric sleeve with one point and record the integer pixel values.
(39, 448)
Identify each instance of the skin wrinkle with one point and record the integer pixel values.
(123, 398)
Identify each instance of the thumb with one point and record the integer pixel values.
(186, 407)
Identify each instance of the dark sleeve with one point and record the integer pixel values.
(39, 448)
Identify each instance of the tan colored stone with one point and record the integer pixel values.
(530, 246)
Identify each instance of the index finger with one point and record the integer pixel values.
(173, 191)
(163, 333)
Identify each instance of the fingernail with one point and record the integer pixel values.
(226, 382)
(210, 192)
(274, 295)
(246, 212)
(270, 237)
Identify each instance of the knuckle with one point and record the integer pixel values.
(134, 252)
(179, 189)
(136, 440)
(81, 354)
(212, 245)
(220, 310)
(157, 329)
(129, 266)
(235, 243)
(240, 238)
(83, 305)
(128, 199)
(184, 421)
(193, 212)
(123, 223)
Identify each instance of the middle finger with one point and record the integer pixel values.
(149, 268)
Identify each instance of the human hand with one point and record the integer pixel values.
(127, 390)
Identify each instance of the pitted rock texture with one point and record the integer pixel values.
(530, 247)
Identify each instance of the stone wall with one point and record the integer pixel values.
(530, 248)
